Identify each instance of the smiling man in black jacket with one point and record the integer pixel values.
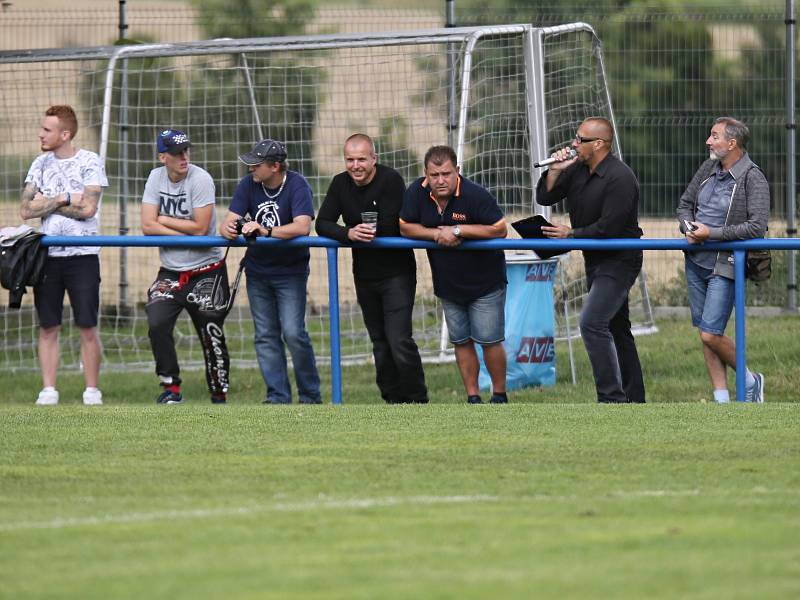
(385, 279)
(602, 196)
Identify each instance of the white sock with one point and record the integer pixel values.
(722, 396)
(91, 389)
(48, 388)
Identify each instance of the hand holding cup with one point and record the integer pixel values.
(364, 231)
(370, 218)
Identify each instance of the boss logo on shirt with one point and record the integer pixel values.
(459, 217)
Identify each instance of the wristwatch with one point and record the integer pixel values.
(269, 232)
(457, 231)
(69, 198)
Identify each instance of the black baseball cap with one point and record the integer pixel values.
(264, 150)
(172, 141)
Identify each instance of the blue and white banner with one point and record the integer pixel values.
(530, 326)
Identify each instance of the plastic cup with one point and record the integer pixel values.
(370, 218)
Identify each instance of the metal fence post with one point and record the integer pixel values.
(335, 327)
(124, 176)
(739, 257)
(452, 93)
(791, 154)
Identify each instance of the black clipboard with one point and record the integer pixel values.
(531, 228)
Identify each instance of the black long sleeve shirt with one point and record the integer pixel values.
(347, 200)
(601, 204)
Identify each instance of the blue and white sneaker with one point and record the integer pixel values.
(168, 397)
(755, 393)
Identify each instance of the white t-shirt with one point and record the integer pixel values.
(179, 200)
(54, 176)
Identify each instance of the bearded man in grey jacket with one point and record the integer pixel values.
(727, 199)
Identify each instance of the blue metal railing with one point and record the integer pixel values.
(739, 250)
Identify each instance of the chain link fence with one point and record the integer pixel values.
(671, 71)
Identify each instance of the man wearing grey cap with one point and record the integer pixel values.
(179, 199)
(279, 204)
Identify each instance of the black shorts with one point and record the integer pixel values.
(79, 276)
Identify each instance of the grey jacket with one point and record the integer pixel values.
(748, 211)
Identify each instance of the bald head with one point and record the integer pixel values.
(360, 159)
(358, 139)
(599, 127)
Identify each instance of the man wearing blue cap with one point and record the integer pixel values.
(179, 199)
(279, 203)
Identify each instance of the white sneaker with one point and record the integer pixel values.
(92, 397)
(47, 397)
(755, 393)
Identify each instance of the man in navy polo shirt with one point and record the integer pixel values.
(446, 208)
(279, 202)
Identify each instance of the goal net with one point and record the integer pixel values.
(502, 95)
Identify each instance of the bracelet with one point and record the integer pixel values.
(69, 199)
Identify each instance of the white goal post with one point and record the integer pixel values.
(504, 96)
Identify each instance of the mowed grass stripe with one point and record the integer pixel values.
(322, 503)
(208, 513)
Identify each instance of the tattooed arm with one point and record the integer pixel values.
(35, 204)
(82, 206)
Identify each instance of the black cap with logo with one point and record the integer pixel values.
(264, 150)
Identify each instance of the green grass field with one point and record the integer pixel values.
(552, 496)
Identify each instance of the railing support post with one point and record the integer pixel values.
(739, 257)
(335, 328)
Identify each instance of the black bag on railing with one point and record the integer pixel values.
(758, 266)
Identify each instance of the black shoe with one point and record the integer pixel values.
(168, 397)
(317, 401)
(421, 401)
(474, 400)
(218, 399)
(499, 398)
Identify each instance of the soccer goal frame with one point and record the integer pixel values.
(503, 95)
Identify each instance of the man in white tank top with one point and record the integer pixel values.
(63, 188)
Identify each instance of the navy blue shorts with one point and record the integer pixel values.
(79, 276)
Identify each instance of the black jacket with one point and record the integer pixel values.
(20, 265)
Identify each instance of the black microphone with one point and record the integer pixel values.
(549, 161)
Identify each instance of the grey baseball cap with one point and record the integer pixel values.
(264, 150)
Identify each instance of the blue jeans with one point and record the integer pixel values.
(711, 298)
(278, 307)
(482, 320)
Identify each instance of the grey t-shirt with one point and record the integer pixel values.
(179, 200)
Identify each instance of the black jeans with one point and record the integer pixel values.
(606, 331)
(172, 292)
(387, 306)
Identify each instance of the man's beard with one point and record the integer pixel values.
(714, 155)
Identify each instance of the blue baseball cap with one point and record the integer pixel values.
(172, 141)
(264, 150)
